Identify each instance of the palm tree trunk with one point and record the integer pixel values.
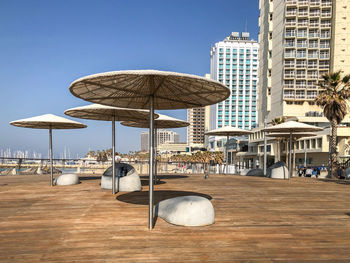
(334, 149)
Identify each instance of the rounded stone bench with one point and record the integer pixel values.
(126, 178)
(186, 211)
(67, 179)
(278, 170)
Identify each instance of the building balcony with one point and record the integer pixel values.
(303, 14)
(326, 3)
(291, 13)
(312, 87)
(328, 14)
(302, 35)
(291, 2)
(289, 96)
(323, 66)
(312, 66)
(325, 36)
(326, 25)
(315, 14)
(312, 55)
(314, 25)
(289, 76)
(300, 76)
(289, 55)
(290, 34)
(288, 86)
(324, 56)
(314, 2)
(293, 24)
(313, 45)
(301, 65)
(300, 86)
(302, 45)
(312, 76)
(304, 2)
(311, 96)
(313, 35)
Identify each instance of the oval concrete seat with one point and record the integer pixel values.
(278, 170)
(67, 179)
(126, 178)
(186, 211)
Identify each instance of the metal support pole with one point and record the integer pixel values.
(305, 153)
(155, 154)
(265, 154)
(227, 138)
(113, 156)
(294, 149)
(51, 168)
(151, 151)
(290, 156)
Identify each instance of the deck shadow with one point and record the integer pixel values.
(141, 198)
(89, 177)
(166, 176)
(144, 182)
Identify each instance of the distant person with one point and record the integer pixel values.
(308, 172)
(314, 173)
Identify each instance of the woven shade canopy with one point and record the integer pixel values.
(228, 131)
(294, 135)
(292, 126)
(149, 89)
(163, 122)
(133, 89)
(106, 113)
(48, 121)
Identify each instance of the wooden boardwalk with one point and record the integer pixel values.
(257, 220)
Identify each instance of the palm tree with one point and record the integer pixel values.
(333, 99)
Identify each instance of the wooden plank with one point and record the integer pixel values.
(257, 220)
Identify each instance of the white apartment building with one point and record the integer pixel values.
(234, 62)
(300, 40)
(163, 136)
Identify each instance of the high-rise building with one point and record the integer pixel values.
(199, 119)
(195, 131)
(163, 136)
(234, 62)
(300, 40)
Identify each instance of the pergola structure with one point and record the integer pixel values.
(49, 122)
(149, 89)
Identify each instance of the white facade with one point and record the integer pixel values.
(234, 62)
(163, 136)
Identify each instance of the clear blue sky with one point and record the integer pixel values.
(45, 45)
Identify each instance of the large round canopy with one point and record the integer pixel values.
(294, 135)
(48, 121)
(162, 122)
(106, 113)
(292, 126)
(228, 131)
(133, 89)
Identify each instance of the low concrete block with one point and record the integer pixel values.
(256, 172)
(67, 179)
(127, 179)
(186, 211)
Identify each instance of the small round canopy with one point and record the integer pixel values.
(292, 126)
(295, 135)
(133, 89)
(48, 121)
(163, 122)
(106, 113)
(228, 131)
